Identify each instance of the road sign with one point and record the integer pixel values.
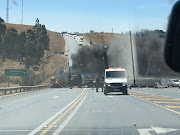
(15, 72)
(61, 53)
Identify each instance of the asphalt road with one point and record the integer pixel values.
(83, 111)
(73, 47)
(173, 92)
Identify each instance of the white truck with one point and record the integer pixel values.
(115, 80)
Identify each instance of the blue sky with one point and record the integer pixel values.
(99, 15)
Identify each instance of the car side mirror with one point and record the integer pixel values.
(172, 42)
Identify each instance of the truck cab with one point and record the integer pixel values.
(115, 80)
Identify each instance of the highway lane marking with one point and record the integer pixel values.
(61, 116)
(54, 116)
(160, 99)
(158, 130)
(146, 96)
(157, 105)
(10, 95)
(149, 95)
(16, 130)
(61, 127)
(164, 102)
(23, 99)
(173, 107)
(154, 94)
(55, 97)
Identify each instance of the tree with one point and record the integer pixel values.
(3, 30)
(22, 41)
(30, 49)
(43, 38)
(91, 31)
(10, 44)
(1, 20)
(37, 22)
(37, 41)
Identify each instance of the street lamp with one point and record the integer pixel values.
(105, 56)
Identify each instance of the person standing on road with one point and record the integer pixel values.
(102, 83)
(97, 82)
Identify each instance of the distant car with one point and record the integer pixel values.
(66, 54)
(80, 44)
(173, 83)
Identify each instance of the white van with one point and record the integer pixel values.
(115, 80)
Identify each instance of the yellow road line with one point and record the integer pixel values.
(60, 117)
(162, 99)
(136, 94)
(27, 98)
(172, 106)
(142, 95)
(160, 102)
(150, 96)
(139, 93)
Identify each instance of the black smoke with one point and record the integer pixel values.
(89, 60)
(149, 46)
(148, 49)
(62, 76)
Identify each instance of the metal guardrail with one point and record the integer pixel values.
(22, 88)
(155, 86)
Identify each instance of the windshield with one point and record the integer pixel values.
(115, 74)
(87, 67)
(175, 80)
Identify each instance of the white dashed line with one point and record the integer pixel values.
(56, 97)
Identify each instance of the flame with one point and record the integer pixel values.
(57, 81)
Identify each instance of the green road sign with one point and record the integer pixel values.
(61, 53)
(15, 72)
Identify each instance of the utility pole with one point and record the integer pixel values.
(132, 58)
(105, 56)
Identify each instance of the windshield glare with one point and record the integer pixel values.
(115, 74)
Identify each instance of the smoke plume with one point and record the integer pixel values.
(89, 60)
(62, 76)
(119, 54)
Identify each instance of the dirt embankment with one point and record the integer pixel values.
(51, 61)
(100, 38)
